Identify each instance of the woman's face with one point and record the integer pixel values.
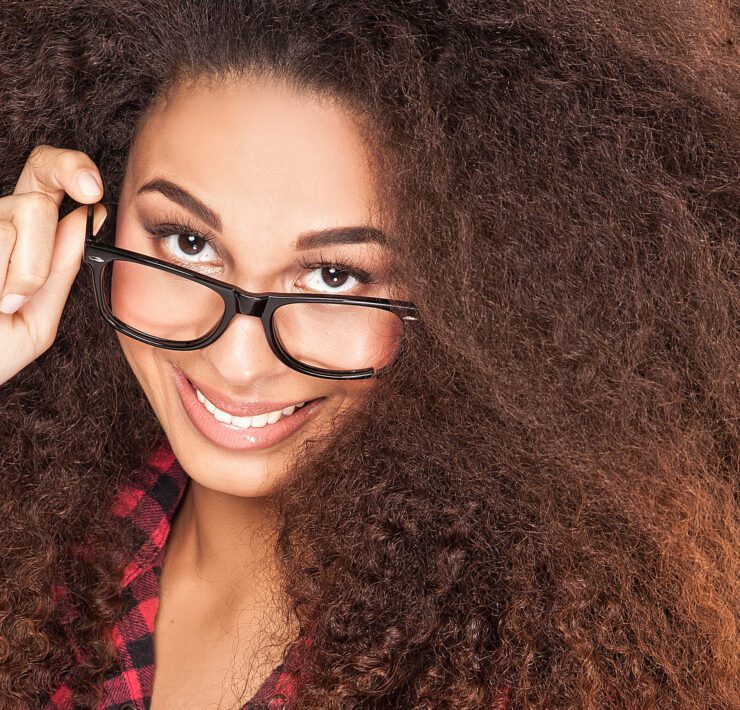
(252, 166)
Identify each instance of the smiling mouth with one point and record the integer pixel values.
(257, 421)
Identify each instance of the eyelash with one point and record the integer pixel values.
(360, 275)
(165, 229)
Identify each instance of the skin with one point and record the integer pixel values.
(271, 162)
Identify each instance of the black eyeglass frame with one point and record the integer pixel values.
(236, 302)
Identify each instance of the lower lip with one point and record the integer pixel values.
(231, 437)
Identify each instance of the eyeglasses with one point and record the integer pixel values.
(169, 306)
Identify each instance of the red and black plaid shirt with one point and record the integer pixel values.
(150, 504)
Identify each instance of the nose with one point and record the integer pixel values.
(242, 354)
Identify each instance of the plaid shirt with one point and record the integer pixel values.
(150, 504)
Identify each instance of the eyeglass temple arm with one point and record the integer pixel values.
(89, 222)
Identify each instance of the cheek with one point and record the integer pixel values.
(161, 304)
(142, 361)
(352, 393)
(129, 348)
(338, 337)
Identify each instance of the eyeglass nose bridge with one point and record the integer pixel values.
(249, 305)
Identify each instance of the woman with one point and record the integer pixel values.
(531, 507)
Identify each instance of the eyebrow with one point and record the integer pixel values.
(306, 240)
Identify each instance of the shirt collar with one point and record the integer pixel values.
(149, 501)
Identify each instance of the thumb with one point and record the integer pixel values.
(46, 307)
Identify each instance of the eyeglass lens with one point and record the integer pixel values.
(331, 336)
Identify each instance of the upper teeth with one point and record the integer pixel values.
(259, 420)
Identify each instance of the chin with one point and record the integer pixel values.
(230, 472)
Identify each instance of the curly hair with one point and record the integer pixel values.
(537, 505)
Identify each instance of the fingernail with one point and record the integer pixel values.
(88, 184)
(11, 303)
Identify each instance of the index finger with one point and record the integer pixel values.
(57, 171)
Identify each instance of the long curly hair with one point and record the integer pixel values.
(536, 506)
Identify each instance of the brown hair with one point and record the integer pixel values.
(538, 501)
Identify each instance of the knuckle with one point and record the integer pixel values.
(42, 336)
(46, 339)
(7, 231)
(41, 156)
(29, 282)
(40, 203)
(38, 153)
(70, 160)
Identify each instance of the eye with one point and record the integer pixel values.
(183, 244)
(189, 247)
(335, 278)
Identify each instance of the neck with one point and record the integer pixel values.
(224, 542)
(220, 580)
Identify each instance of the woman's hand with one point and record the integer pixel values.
(39, 254)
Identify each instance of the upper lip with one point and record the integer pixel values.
(240, 408)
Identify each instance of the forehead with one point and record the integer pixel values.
(283, 155)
